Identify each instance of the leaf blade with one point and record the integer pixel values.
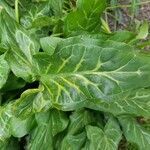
(107, 139)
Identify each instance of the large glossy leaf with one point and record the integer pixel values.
(4, 71)
(135, 133)
(20, 47)
(107, 139)
(85, 67)
(49, 124)
(86, 17)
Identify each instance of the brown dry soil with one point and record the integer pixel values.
(128, 21)
(144, 14)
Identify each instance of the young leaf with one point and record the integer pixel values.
(105, 26)
(74, 138)
(135, 133)
(44, 13)
(20, 128)
(124, 36)
(107, 139)
(57, 7)
(85, 18)
(49, 124)
(30, 102)
(35, 13)
(49, 44)
(74, 142)
(78, 120)
(143, 31)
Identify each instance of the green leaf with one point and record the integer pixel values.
(56, 119)
(85, 18)
(135, 133)
(76, 136)
(49, 124)
(78, 120)
(42, 60)
(143, 31)
(5, 118)
(9, 10)
(91, 6)
(57, 7)
(49, 44)
(20, 47)
(74, 142)
(33, 12)
(13, 83)
(105, 26)
(43, 22)
(124, 36)
(44, 13)
(83, 68)
(20, 128)
(10, 144)
(107, 139)
(4, 71)
(30, 102)
(133, 102)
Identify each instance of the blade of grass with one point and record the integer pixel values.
(17, 10)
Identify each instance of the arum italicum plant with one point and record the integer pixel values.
(81, 90)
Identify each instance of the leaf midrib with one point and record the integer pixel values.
(54, 75)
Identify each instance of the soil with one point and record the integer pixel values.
(127, 18)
